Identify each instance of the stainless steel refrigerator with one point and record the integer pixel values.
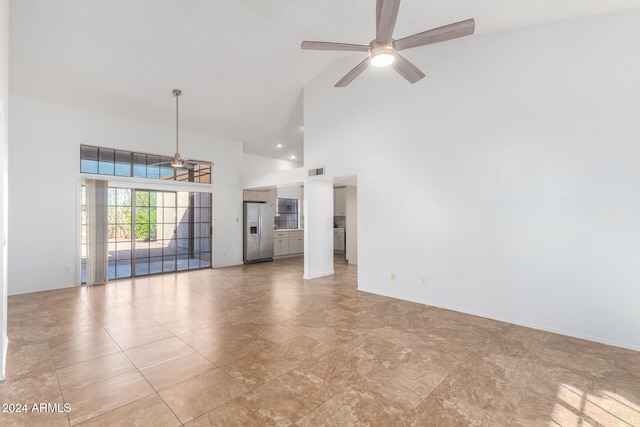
(258, 231)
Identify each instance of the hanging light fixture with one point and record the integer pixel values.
(381, 54)
(177, 161)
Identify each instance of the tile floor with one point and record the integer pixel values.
(257, 346)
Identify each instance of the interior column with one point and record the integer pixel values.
(318, 228)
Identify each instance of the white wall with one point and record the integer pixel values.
(45, 179)
(289, 192)
(256, 166)
(507, 179)
(4, 147)
(352, 224)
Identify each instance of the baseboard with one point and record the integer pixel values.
(317, 276)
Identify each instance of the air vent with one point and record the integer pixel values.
(316, 172)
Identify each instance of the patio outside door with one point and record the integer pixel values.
(152, 232)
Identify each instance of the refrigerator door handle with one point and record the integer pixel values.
(260, 226)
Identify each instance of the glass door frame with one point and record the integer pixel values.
(203, 223)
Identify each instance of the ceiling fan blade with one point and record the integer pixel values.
(407, 69)
(355, 72)
(334, 46)
(437, 35)
(386, 15)
(160, 164)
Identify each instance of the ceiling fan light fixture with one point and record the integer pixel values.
(177, 162)
(382, 50)
(381, 55)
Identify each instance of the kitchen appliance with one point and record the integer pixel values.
(258, 231)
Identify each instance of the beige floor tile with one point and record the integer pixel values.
(486, 386)
(226, 351)
(387, 385)
(622, 404)
(256, 369)
(27, 359)
(294, 394)
(149, 411)
(442, 409)
(192, 398)
(35, 389)
(301, 349)
(258, 345)
(157, 351)
(188, 324)
(92, 371)
(164, 315)
(341, 367)
(353, 408)
(587, 406)
(85, 346)
(172, 371)
(130, 338)
(49, 419)
(548, 380)
(103, 396)
(246, 410)
(428, 363)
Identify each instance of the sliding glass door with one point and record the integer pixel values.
(151, 232)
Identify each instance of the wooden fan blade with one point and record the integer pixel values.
(386, 15)
(355, 72)
(437, 35)
(407, 69)
(334, 46)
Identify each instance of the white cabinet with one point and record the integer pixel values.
(296, 242)
(280, 243)
(339, 201)
(288, 242)
(338, 239)
(257, 196)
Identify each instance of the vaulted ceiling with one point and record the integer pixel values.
(238, 62)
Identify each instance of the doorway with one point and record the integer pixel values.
(152, 232)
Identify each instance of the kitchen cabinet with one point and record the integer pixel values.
(256, 196)
(296, 242)
(280, 243)
(339, 201)
(338, 239)
(288, 242)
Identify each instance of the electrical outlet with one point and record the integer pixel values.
(67, 270)
(424, 281)
(393, 276)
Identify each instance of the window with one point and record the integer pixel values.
(150, 231)
(287, 213)
(108, 161)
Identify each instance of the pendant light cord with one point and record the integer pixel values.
(177, 93)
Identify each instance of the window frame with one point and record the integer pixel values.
(107, 161)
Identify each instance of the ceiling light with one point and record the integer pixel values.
(381, 55)
(293, 157)
(177, 162)
(279, 145)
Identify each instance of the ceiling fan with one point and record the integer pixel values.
(178, 161)
(383, 50)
